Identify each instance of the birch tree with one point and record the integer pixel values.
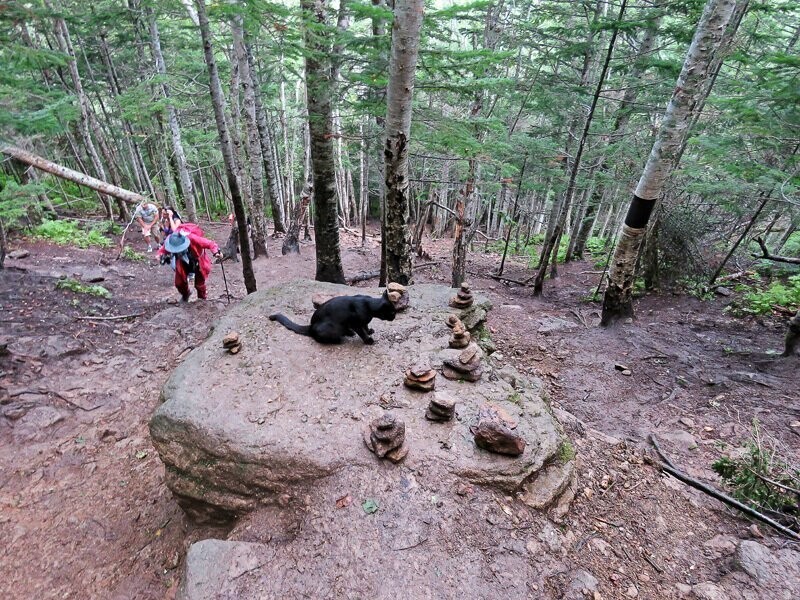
(187, 186)
(402, 64)
(617, 301)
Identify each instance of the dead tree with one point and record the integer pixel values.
(291, 243)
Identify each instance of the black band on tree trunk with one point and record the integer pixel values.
(639, 212)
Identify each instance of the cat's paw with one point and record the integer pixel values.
(369, 341)
(370, 331)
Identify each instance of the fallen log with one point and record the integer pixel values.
(773, 257)
(29, 158)
(668, 467)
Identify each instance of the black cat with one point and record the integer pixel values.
(342, 316)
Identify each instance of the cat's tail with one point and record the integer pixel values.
(290, 325)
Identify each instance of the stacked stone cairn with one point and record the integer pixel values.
(467, 366)
(398, 295)
(231, 343)
(452, 321)
(420, 377)
(460, 337)
(386, 437)
(494, 431)
(463, 298)
(441, 408)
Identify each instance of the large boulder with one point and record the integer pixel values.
(236, 432)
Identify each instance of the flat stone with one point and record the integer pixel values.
(213, 568)
(50, 346)
(549, 484)
(581, 584)
(93, 275)
(232, 444)
(777, 571)
(709, 591)
(494, 433)
(17, 254)
(550, 325)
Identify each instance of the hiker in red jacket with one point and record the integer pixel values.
(186, 252)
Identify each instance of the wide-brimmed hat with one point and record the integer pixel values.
(176, 243)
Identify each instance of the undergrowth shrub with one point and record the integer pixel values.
(69, 233)
(73, 285)
(760, 475)
(778, 294)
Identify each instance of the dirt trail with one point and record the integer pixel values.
(84, 508)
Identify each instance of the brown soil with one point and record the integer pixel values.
(85, 512)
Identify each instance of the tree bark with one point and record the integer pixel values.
(550, 244)
(617, 300)
(252, 140)
(268, 153)
(65, 45)
(326, 230)
(71, 175)
(399, 95)
(187, 186)
(218, 102)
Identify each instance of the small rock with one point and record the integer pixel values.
(620, 367)
(386, 437)
(17, 254)
(420, 377)
(721, 545)
(627, 372)
(494, 433)
(441, 408)
(709, 591)
(632, 592)
(686, 421)
(683, 589)
(723, 291)
(463, 298)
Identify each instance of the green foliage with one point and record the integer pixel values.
(760, 302)
(73, 285)
(129, 253)
(566, 452)
(747, 476)
(68, 233)
(108, 228)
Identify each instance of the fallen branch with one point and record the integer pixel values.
(773, 257)
(668, 467)
(427, 264)
(110, 318)
(365, 276)
(508, 279)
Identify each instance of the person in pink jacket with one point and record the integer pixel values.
(186, 252)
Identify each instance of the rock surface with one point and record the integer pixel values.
(237, 432)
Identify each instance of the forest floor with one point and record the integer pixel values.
(84, 511)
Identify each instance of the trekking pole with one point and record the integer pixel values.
(225, 279)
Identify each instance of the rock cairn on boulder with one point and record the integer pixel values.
(420, 377)
(494, 431)
(386, 437)
(460, 337)
(398, 295)
(441, 408)
(452, 320)
(466, 366)
(231, 343)
(463, 298)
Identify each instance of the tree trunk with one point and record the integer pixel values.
(402, 65)
(252, 141)
(65, 45)
(617, 301)
(70, 175)
(550, 244)
(268, 154)
(187, 186)
(218, 102)
(326, 227)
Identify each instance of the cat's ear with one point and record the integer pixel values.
(385, 294)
